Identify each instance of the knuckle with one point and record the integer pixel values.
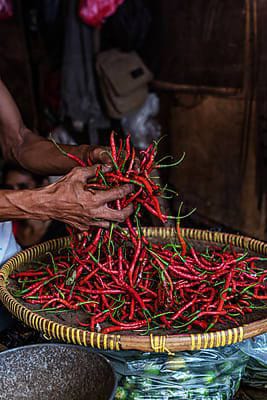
(120, 192)
(130, 209)
(121, 217)
(127, 212)
(77, 169)
(126, 189)
(130, 188)
(95, 201)
(77, 172)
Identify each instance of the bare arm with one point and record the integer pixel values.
(67, 201)
(39, 155)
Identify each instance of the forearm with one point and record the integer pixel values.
(41, 156)
(33, 204)
(66, 201)
(23, 147)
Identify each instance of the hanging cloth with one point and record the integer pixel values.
(79, 96)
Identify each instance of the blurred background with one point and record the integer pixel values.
(191, 72)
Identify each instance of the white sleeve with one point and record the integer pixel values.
(8, 245)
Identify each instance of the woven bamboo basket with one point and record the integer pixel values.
(132, 341)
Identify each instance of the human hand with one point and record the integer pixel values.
(102, 155)
(99, 155)
(70, 203)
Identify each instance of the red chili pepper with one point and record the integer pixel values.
(128, 147)
(97, 186)
(32, 289)
(99, 291)
(259, 297)
(129, 275)
(113, 147)
(163, 268)
(135, 295)
(181, 239)
(131, 162)
(132, 307)
(120, 255)
(119, 154)
(77, 159)
(127, 327)
(84, 324)
(226, 286)
(202, 324)
(166, 323)
(149, 165)
(27, 273)
(134, 261)
(63, 302)
(93, 246)
(132, 198)
(181, 274)
(185, 307)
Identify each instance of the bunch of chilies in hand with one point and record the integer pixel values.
(117, 280)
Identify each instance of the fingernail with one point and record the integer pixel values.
(106, 168)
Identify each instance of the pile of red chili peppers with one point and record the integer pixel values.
(116, 280)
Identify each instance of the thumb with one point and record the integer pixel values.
(91, 171)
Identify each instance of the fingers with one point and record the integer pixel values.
(101, 224)
(116, 193)
(84, 227)
(89, 172)
(117, 216)
(100, 155)
(83, 224)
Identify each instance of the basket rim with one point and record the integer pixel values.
(152, 343)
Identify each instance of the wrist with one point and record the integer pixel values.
(86, 152)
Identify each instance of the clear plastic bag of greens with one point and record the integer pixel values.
(212, 374)
(256, 371)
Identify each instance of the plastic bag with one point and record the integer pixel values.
(255, 374)
(141, 124)
(212, 374)
(6, 9)
(94, 12)
(256, 370)
(61, 135)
